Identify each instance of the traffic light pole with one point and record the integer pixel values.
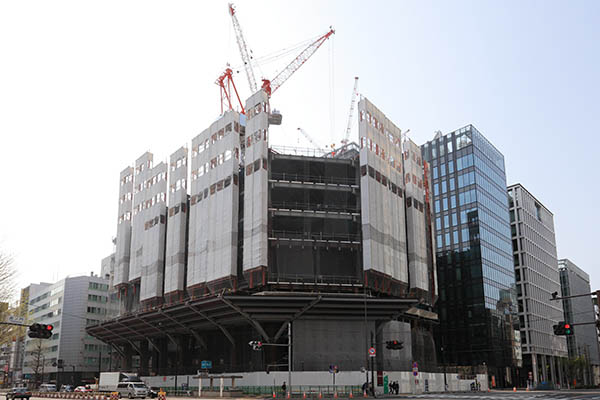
(372, 366)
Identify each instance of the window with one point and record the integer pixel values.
(452, 185)
(436, 189)
(363, 170)
(444, 203)
(443, 170)
(438, 223)
(437, 206)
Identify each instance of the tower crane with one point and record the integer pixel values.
(225, 82)
(270, 86)
(310, 139)
(246, 59)
(352, 102)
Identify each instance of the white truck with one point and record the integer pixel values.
(109, 380)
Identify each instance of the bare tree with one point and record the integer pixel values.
(38, 361)
(8, 274)
(7, 290)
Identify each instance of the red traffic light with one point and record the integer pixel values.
(49, 327)
(567, 326)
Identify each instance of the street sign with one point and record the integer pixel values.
(206, 364)
(371, 351)
(415, 368)
(13, 319)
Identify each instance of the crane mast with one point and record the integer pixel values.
(270, 86)
(352, 102)
(243, 49)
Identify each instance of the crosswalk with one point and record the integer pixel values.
(508, 396)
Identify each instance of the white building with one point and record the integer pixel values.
(537, 277)
(69, 305)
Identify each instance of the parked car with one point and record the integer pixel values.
(132, 389)
(83, 389)
(47, 387)
(66, 388)
(18, 393)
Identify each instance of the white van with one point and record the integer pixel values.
(132, 390)
(48, 387)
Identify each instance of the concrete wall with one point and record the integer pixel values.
(123, 244)
(175, 257)
(143, 170)
(155, 229)
(319, 343)
(213, 230)
(406, 380)
(415, 218)
(382, 210)
(256, 181)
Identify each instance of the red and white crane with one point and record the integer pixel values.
(225, 82)
(270, 86)
(246, 59)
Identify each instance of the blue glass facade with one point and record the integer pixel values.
(477, 303)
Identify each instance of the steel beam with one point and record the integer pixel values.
(252, 321)
(296, 316)
(212, 321)
(187, 328)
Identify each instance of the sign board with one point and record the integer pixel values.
(372, 352)
(415, 369)
(530, 375)
(206, 364)
(379, 378)
(13, 319)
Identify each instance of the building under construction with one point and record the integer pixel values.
(232, 242)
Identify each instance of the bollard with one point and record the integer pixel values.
(335, 396)
(350, 395)
(514, 388)
(365, 393)
(274, 394)
(304, 394)
(320, 394)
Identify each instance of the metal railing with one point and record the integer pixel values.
(340, 237)
(283, 176)
(315, 206)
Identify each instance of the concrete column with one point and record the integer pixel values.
(559, 366)
(552, 369)
(126, 361)
(544, 368)
(144, 357)
(534, 367)
(163, 358)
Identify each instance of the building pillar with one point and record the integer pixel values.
(534, 369)
(552, 369)
(144, 357)
(544, 368)
(163, 358)
(126, 361)
(559, 363)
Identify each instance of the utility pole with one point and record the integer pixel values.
(366, 339)
(290, 357)
(372, 366)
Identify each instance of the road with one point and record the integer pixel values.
(506, 395)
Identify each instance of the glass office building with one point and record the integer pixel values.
(477, 303)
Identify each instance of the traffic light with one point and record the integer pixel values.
(393, 345)
(563, 329)
(255, 344)
(40, 331)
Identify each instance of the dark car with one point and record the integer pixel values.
(18, 393)
(153, 392)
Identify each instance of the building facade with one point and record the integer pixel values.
(245, 238)
(69, 305)
(477, 305)
(584, 341)
(537, 276)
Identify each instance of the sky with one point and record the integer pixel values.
(86, 87)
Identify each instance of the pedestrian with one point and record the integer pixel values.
(283, 387)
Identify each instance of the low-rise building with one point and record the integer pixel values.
(69, 305)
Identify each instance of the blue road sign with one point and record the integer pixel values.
(205, 364)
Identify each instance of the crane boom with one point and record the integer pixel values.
(352, 102)
(243, 49)
(309, 138)
(270, 86)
